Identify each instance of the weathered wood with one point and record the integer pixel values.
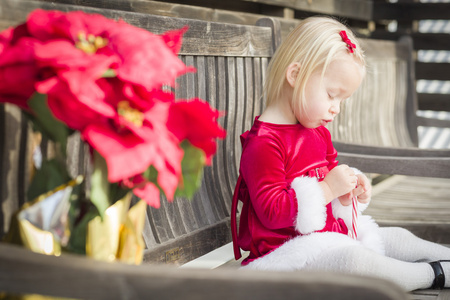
(391, 151)
(12, 147)
(421, 41)
(433, 71)
(209, 39)
(405, 201)
(413, 166)
(429, 122)
(191, 245)
(356, 9)
(26, 272)
(410, 11)
(437, 102)
(230, 79)
(242, 15)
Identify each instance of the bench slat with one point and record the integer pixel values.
(214, 39)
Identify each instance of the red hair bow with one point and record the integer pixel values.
(349, 43)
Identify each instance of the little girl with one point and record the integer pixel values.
(297, 200)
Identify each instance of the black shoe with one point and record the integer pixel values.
(439, 277)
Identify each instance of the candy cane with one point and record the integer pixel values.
(353, 232)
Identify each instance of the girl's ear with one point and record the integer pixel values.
(292, 73)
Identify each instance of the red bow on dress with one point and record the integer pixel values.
(349, 43)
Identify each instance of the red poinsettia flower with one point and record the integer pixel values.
(128, 155)
(91, 44)
(144, 189)
(136, 136)
(196, 121)
(145, 57)
(18, 70)
(77, 114)
(104, 78)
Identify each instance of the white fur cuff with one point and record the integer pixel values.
(312, 213)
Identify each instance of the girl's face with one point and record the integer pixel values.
(323, 97)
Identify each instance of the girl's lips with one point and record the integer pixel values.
(325, 122)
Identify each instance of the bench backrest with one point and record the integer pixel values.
(231, 62)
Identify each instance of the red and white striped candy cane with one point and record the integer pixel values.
(353, 233)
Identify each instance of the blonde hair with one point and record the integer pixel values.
(314, 43)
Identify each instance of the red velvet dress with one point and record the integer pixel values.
(273, 156)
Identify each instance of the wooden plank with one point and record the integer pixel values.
(432, 71)
(26, 272)
(223, 98)
(189, 246)
(413, 166)
(421, 41)
(428, 294)
(250, 90)
(242, 97)
(160, 222)
(437, 102)
(215, 172)
(9, 174)
(430, 122)
(408, 11)
(444, 295)
(190, 212)
(3, 212)
(208, 198)
(356, 9)
(391, 151)
(417, 203)
(241, 15)
(232, 103)
(213, 39)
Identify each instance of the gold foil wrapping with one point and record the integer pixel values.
(118, 237)
(43, 227)
(43, 222)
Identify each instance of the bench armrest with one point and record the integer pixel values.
(407, 165)
(74, 276)
(390, 151)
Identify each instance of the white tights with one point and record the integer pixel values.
(405, 263)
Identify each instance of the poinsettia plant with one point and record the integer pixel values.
(106, 79)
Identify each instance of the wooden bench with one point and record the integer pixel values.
(231, 62)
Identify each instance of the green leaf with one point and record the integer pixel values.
(117, 192)
(77, 241)
(100, 184)
(46, 123)
(192, 170)
(51, 175)
(151, 174)
(110, 73)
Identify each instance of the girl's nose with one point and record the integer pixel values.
(335, 109)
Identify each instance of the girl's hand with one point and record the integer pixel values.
(340, 181)
(363, 191)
